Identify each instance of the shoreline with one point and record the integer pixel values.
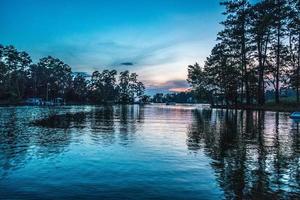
(283, 107)
(268, 107)
(68, 104)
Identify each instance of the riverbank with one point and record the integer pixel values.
(283, 107)
(7, 104)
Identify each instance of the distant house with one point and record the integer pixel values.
(58, 101)
(40, 102)
(34, 101)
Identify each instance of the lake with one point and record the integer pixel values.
(148, 152)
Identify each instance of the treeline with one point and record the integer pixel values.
(257, 50)
(51, 78)
(180, 97)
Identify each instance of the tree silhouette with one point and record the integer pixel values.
(51, 78)
(257, 50)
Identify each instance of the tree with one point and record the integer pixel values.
(38, 77)
(78, 90)
(199, 82)
(145, 99)
(3, 74)
(110, 92)
(140, 89)
(103, 86)
(13, 72)
(280, 16)
(259, 47)
(235, 35)
(222, 74)
(261, 22)
(51, 78)
(158, 98)
(294, 45)
(129, 87)
(58, 77)
(125, 92)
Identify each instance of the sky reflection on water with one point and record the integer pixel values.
(147, 152)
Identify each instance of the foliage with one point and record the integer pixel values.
(257, 50)
(181, 97)
(51, 78)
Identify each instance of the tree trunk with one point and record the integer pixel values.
(244, 66)
(298, 71)
(277, 66)
(260, 92)
(297, 95)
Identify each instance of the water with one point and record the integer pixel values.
(149, 152)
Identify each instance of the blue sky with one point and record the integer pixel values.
(159, 37)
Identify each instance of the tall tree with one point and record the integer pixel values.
(129, 87)
(14, 67)
(222, 73)
(3, 74)
(38, 77)
(109, 80)
(103, 86)
(78, 90)
(260, 32)
(280, 16)
(294, 45)
(59, 76)
(235, 35)
(199, 83)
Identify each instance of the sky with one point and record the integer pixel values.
(157, 39)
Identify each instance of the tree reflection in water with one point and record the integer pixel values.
(21, 141)
(13, 143)
(18, 139)
(255, 154)
(112, 124)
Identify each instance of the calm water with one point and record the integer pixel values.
(149, 152)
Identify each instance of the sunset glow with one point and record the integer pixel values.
(158, 38)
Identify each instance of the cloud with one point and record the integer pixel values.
(160, 54)
(179, 89)
(168, 86)
(127, 63)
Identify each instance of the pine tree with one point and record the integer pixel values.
(260, 33)
(235, 35)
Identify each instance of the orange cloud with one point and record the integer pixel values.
(179, 89)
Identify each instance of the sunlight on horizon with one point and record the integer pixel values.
(158, 39)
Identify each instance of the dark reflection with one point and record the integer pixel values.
(52, 132)
(52, 142)
(255, 155)
(18, 139)
(14, 143)
(102, 125)
(66, 120)
(128, 125)
(115, 124)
